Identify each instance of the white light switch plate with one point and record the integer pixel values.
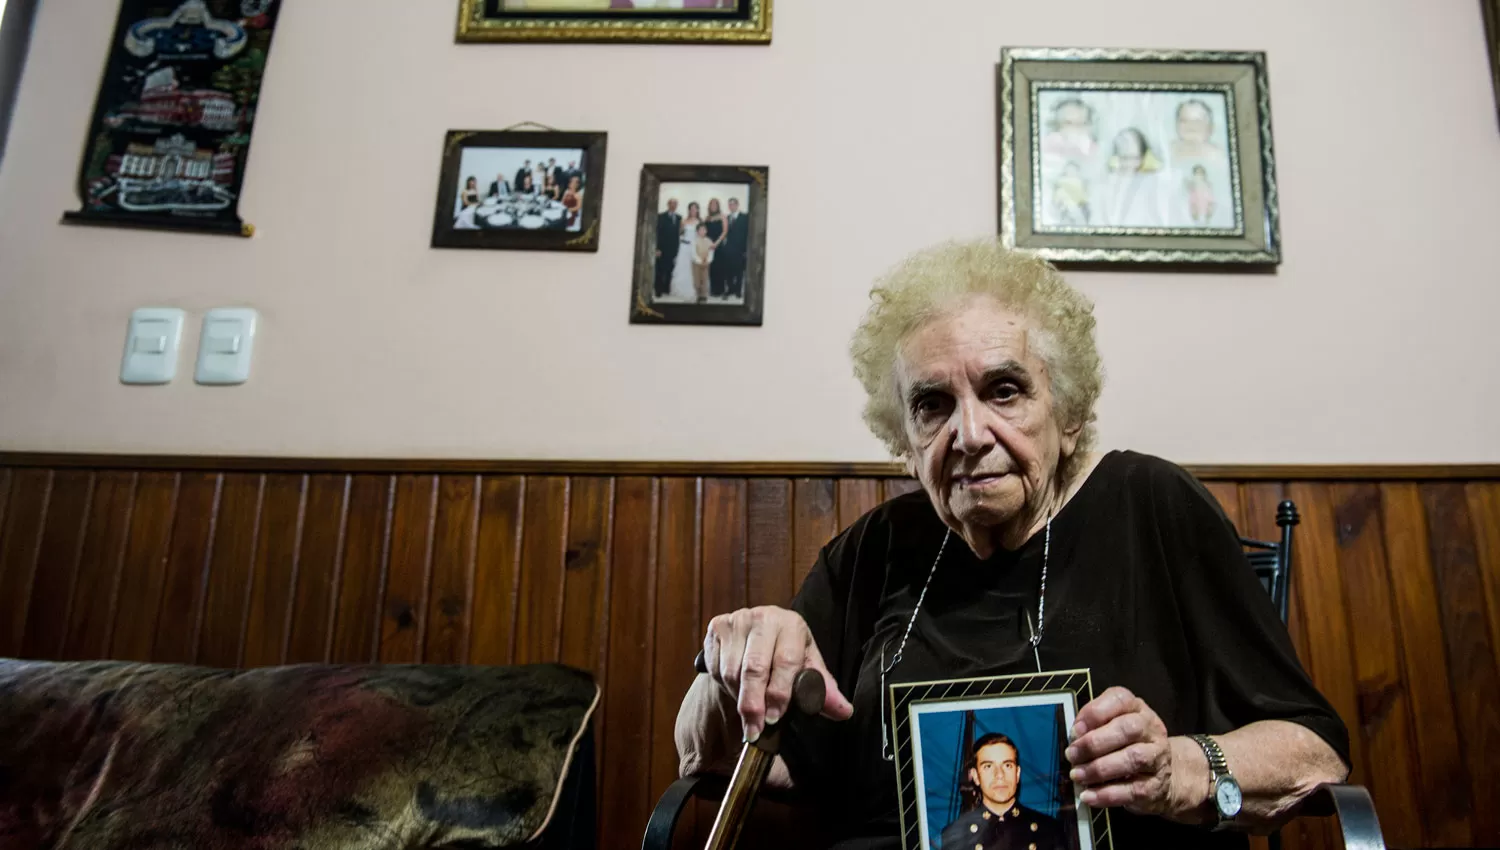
(151, 345)
(227, 345)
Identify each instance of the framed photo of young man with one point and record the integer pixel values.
(700, 253)
(979, 763)
(679, 21)
(1138, 156)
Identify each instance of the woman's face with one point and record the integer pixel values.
(1074, 120)
(471, 184)
(713, 207)
(693, 210)
(984, 440)
(1129, 150)
(1194, 123)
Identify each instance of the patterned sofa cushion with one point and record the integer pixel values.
(104, 755)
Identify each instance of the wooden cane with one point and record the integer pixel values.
(808, 693)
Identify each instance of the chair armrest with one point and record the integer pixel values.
(669, 808)
(1355, 811)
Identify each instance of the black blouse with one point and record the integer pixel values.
(1147, 587)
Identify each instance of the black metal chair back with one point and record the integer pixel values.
(1272, 562)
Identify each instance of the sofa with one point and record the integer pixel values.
(114, 755)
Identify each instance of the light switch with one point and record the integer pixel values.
(226, 348)
(151, 345)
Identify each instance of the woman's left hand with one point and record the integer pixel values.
(1122, 755)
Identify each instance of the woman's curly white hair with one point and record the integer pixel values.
(934, 282)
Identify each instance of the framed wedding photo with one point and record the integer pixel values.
(700, 252)
(979, 763)
(1137, 156)
(520, 190)
(671, 21)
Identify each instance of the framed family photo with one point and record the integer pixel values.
(1137, 156)
(979, 763)
(700, 254)
(521, 190)
(680, 21)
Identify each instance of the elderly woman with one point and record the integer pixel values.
(1025, 550)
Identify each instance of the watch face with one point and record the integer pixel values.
(1227, 795)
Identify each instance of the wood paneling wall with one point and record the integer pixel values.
(1395, 605)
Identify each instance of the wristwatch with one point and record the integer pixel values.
(1224, 789)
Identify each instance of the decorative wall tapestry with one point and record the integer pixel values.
(172, 123)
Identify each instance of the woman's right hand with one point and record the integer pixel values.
(755, 654)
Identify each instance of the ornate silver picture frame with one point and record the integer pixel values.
(1137, 156)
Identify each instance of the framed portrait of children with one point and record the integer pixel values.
(700, 246)
(979, 763)
(679, 21)
(1137, 156)
(520, 190)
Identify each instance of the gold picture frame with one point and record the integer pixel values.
(1137, 156)
(746, 22)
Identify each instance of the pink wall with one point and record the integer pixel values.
(877, 119)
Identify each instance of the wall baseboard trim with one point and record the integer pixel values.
(723, 469)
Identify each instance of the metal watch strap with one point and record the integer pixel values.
(1216, 761)
(1218, 766)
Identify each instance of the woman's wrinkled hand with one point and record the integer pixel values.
(755, 654)
(1121, 754)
